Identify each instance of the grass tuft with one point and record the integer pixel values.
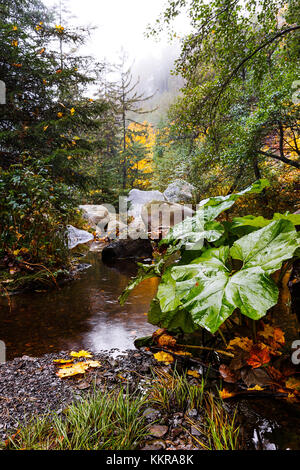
(174, 392)
(101, 421)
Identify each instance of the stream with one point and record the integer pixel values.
(82, 314)
(86, 314)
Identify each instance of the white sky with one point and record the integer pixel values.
(120, 23)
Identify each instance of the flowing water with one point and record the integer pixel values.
(82, 314)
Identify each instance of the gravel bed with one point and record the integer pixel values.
(29, 386)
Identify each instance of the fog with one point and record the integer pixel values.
(121, 26)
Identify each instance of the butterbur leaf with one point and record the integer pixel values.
(210, 293)
(214, 206)
(294, 218)
(173, 320)
(244, 225)
(194, 230)
(268, 247)
(249, 223)
(253, 292)
(207, 301)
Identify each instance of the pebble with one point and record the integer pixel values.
(158, 431)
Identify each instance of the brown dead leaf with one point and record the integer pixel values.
(227, 374)
(254, 377)
(166, 340)
(272, 334)
(259, 355)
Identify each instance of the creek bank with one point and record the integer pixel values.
(30, 387)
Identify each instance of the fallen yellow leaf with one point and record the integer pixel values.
(257, 387)
(225, 394)
(63, 361)
(81, 353)
(75, 369)
(242, 342)
(164, 357)
(193, 373)
(93, 364)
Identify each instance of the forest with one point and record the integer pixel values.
(196, 281)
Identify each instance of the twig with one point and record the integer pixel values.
(205, 348)
(41, 266)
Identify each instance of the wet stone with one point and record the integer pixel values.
(158, 431)
(151, 414)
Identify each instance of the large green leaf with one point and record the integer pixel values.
(174, 320)
(210, 291)
(202, 226)
(214, 206)
(267, 247)
(193, 231)
(243, 225)
(212, 294)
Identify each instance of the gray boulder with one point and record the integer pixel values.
(180, 191)
(138, 198)
(160, 216)
(77, 236)
(95, 214)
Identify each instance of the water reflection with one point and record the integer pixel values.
(83, 314)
